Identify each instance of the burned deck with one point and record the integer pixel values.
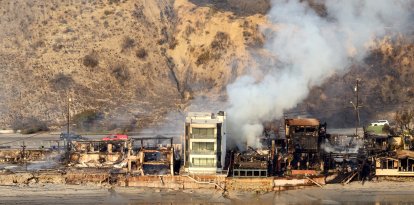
(22, 155)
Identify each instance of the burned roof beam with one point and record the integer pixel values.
(156, 163)
(142, 139)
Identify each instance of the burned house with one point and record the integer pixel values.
(303, 138)
(292, 149)
(400, 163)
(252, 163)
(376, 140)
(205, 142)
(154, 158)
(342, 152)
(396, 157)
(132, 156)
(97, 153)
(23, 155)
(258, 161)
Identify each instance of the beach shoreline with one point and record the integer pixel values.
(372, 192)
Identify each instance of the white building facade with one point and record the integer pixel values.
(205, 142)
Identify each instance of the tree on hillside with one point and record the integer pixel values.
(404, 118)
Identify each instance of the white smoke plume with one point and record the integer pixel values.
(310, 49)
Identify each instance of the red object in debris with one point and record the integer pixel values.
(304, 172)
(115, 137)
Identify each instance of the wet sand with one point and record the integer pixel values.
(384, 192)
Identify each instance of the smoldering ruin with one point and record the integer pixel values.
(254, 144)
(295, 152)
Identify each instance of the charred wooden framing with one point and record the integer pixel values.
(298, 147)
(22, 155)
(125, 155)
(97, 153)
(304, 137)
(152, 159)
(252, 163)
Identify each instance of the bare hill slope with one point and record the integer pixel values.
(131, 63)
(130, 60)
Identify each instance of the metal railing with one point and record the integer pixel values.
(203, 165)
(198, 136)
(205, 152)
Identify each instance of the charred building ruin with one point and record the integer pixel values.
(303, 139)
(293, 148)
(97, 153)
(154, 158)
(252, 163)
(134, 156)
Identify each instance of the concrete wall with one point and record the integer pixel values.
(100, 177)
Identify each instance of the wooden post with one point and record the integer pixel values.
(129, 148)
(172, 161)
(109, 148)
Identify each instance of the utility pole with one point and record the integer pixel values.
(68, 114)
(23, 155)
(67, 138)
(356, 107)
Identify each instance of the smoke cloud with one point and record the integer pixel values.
(310, 48)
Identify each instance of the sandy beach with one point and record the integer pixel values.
(384, 192)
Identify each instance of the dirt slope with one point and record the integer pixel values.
(134, 62)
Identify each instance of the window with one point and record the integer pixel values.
(203, 146)
(299, 129)
(383, 164)
(203, 132)
(390, 164)
(203, 162)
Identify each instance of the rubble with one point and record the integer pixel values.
(153, 160)
(251, 163)
(9, 155)
(299, 153)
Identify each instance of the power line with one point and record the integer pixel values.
(337, 108)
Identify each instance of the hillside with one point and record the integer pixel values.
(132, 63)
(386, 85)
